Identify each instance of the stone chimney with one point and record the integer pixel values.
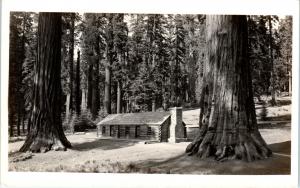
(176, 127)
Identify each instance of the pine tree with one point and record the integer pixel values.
(21, 57)
(262, 49)
(284, 62)
(179, 76)
(119, 67)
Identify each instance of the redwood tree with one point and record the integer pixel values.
(46, 129)
(110, 60)
(227, 126)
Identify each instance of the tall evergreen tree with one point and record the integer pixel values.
(284, 65)
(179, 76)
(46, 130)
(20, 66)
(93, 49)
(227, 126)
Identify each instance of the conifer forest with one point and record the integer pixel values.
(69, 71)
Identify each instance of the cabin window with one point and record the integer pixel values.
(149, 131)
(137, 131)
(126, 131)
(103, 130)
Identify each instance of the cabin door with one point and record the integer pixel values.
(127, 132)
(137, 131)
(111, 130)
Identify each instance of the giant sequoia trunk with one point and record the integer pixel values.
(227, 125)
(46, 129)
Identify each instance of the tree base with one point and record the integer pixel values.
(38, 144)
(248, 147)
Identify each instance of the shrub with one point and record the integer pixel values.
(79, 123)
(101, 115)
(83, 122)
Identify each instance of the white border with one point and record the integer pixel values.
(13, 179)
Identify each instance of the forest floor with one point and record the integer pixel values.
(93, 154)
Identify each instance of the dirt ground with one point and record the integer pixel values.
(158, 157)
(92, 154)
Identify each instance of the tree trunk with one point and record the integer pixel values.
(71, 62)
(119, 98)
(227, 125)
(23, 120)
(77, 85)
(96, 94)
(29, 121)
(272, 78)
(290, 83)
(107, 100)
(16, 59)
(11, 124)
(68, 106)
(46, 129)
(19, 119)
(110, 60)
(153, 105)
(83, 100)
(90, 86)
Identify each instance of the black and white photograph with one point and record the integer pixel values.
(150, 93)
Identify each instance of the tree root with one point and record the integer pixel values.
(247, 148)
(44, 145)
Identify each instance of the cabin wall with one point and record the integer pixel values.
(144, 132)
(164, 130)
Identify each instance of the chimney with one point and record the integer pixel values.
(176, 127)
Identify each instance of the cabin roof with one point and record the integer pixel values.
(142, 118)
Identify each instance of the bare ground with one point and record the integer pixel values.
(92, 154)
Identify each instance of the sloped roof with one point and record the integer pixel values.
(143, 118)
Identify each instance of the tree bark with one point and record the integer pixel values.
(77, 86)
(83, 100)
(68, 106)
(90, 86)
(227, 124)
(71, 63)
(110, 60)
(107, 92)
(46, 128)
(119, 98)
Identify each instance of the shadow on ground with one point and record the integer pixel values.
(279, 118)
(103, 144)
(282, 102)
(278, 164)
(274, 125)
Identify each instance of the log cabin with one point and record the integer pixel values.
(152, 126)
